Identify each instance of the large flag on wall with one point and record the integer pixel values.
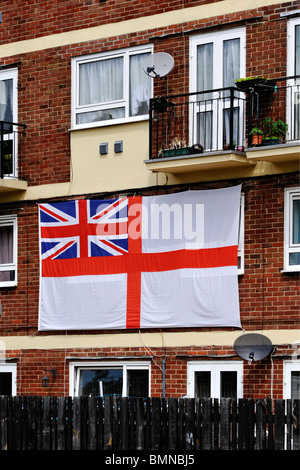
(163, 261)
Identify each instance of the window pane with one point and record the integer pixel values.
(5, 383)
(101, 81)
(204, 129)
(297, 50)
(6, 100)
(202, 384)
(228, 384)
(205, 67)
(95, 116)
(296, 221)
(139, 86)
(137, 383)
(101, 382)
(7, 157)
(235, 126)
(6, 244)
(231, 62)
(295, 377)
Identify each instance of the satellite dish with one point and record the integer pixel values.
(252, 346)
(158, 65)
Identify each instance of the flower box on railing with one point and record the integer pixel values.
(175, 152)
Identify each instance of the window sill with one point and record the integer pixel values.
(291, 271)
(113, 122)
(5, 285)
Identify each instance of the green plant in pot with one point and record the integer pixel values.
(274, 131)
(257, 136)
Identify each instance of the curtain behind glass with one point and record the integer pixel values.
(6, 250)
(202, 384)
(6, 100)
(295, 378)
(101, 81)
(296, 221)
(139, 86)
(231, 61)
(205, 70)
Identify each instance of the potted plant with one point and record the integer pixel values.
(177, 147)
(248, 82)
(257, 83)
(257, 136)
(274, 131)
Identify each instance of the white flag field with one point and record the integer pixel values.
(167, 261)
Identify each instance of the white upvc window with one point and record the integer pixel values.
(216, 60)
(293, 69)
(99, 379)
(8, 114)
(291, 379)
(110, 88)
(292, 229)
(8, 251)
(222, 379)
(8, 379)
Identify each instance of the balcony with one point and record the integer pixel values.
(11, 136)
(226, 128)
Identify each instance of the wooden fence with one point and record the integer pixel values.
(170, 424)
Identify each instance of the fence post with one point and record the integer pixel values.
(296, 425)
(189, 423)
(206, 437)
(224, 423)
(76, 424)
(107, 431)
(279, 424)
(173, 423)
(3, 422)
(260, 425)
(140, 435)
(124, 421)
(156, 424)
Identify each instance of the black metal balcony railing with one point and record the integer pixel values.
(11, 134)
(225, 119)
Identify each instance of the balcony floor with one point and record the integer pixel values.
(201, 161)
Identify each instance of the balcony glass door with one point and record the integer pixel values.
(8, 115)
(217, 60)
(293, 85)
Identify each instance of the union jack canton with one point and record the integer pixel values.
(84, 228)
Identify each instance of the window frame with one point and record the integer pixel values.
(76, 367)
(215, 368)
(293, 92)
(210, 104)
(77, 109)
(291, 53)
(12, 74)
(289, 247)
(10, 221)
(4, 368)
(217, 38)
(289, 366)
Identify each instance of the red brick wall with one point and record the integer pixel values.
(45, 76)
(260, 379)
(28, 19)
(269, 299)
